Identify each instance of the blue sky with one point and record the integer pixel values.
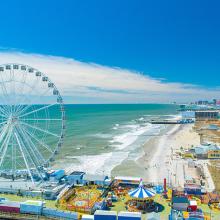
(177, 41)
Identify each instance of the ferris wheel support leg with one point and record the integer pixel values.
(28, 153)
(3, 133)
(24, 157)
(27, 138)
(29, 142)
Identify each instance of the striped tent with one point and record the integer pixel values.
(141, 192)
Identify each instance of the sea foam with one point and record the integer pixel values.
(130, 135)
(97, 164)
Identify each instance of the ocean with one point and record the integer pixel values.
(100, 137)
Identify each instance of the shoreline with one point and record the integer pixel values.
(154, 155)
(158, 160)
(164, 162)
(136, 167)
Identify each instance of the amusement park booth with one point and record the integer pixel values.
(89, 179)
(9, 206)
(180, 203)
(75, 177)
(87, 217)
(127, 180)
(192, 205)
(32, 207)
(59, 214)
(105, 215)
(129, 216)
(193, 189)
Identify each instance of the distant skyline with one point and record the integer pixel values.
(167, 50)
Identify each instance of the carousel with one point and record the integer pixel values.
(141, 200)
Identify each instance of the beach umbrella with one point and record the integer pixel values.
(141, 192)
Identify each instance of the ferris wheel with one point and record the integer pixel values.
(32, 121)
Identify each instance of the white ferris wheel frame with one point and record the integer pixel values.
(19, 121)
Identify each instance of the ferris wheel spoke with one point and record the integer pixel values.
(39, 95)
(4, 114)
(4, 146)
(12, 89)
(41, 119)
(24, 157)
(28, 139)
(39, 141)
(22, 108)
(13, 152)
(1, 129)
(23, 82)
(37, 110)
(3, 82)
(3, 123)
(5, 110)
(3, 140)
(32, 87)
(40, 129)
(3, 133)
(35, 161)
(7, 98)
(32, 101)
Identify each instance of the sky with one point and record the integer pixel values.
(118, 51)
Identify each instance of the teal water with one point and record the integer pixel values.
(102, 136)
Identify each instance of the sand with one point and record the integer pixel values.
(153, 166)
(159, 161)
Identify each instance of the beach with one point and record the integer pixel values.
(159, 160)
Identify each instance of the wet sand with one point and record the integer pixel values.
(157, 162)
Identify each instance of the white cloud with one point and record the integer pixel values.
(81, 82)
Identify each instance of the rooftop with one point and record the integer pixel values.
(128, 178)
(33, 202)
(180, 200)
(77, 173)
(130, 214)
(102, 212)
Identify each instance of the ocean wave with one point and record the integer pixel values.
(101, 135)
(97, 164)
(115, 127)
(123, 140)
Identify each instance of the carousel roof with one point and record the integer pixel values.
(141, 192)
